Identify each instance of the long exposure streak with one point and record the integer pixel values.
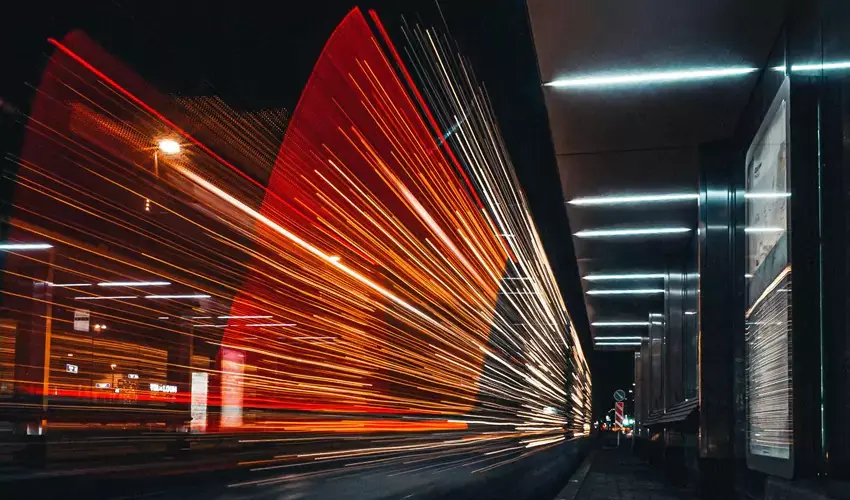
(359, 282)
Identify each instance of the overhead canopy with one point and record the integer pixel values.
(631, 90)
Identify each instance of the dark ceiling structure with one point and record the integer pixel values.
(615, 137)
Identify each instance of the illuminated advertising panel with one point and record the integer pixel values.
(232, 386)
(200, 387)
(768, 271)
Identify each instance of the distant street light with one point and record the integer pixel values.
(169, 146)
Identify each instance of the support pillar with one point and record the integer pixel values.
(721, 318)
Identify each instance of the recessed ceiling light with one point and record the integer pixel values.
(634, 338)
(639, 77)
(635, 291)
(631, 199)
(824, 66)
(633, 276)
(621, 344)
(645, 231)
(690, 313)
(763, 229)
(620, 323)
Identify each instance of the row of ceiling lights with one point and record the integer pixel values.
(620, 340)
(645, 78)
(625, 232)
(651, 231)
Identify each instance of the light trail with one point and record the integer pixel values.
(368, 267)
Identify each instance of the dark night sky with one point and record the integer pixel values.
(258, 54)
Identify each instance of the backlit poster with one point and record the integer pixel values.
(768, 276)
(232, 386)
(200, 388)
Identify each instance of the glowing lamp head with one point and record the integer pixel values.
(169, 146)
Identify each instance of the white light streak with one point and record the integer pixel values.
(179, 296)
(25, 246)
(103, 297)
(134, 283)
(245, 317)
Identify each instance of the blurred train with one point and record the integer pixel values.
(360, 266)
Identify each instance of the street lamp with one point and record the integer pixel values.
(169, 146)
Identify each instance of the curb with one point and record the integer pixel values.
(572, 488)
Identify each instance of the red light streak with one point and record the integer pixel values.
(361, 290)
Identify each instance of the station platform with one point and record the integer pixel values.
(616, 473)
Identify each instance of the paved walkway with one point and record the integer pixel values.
(619, 474)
